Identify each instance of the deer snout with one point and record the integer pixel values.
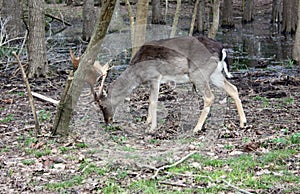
(108, 120)
(107, 114)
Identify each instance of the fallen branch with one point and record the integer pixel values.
(48, 99)
(31, 101)
(172, 165)
(13, 132)
(180, 185)
(58, 19)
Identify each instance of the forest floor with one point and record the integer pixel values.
(263, 157)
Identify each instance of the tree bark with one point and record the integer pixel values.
(277, 11)
(89, 19)
(36, 46)
(201, 17)
(296, 48)
(86, 63)
(141, 24)
(289, 22)
(11, 11)
(227, 14)
(157, 17)
(215, 24)
(194, 18)
(248, 11)
(176, 18)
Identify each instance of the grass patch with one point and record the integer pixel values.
(8, 118)
(44, 116)
(28, 162)
(90, 168)
(75, 180)
(43, 152)
(81, 145)
(265, 101)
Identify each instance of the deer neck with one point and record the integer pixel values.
(121, 88)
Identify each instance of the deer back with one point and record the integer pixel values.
(196, 50)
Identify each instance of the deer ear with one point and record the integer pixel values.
(102, 70)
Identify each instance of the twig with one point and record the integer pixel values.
(172, 165)
(235, 187)
(46, 98)
(31, 101)
(23, 43)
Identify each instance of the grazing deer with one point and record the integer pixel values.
(198, 60)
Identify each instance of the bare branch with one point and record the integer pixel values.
(172, 165)
(31, 101)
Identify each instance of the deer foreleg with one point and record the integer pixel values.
(152, 110)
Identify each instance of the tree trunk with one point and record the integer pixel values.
(296, 48)
(248, 11)
(157, 17)
(289, 23)
(201, 17)
(36, 39)
(227, 14)
(215, 25)
(61, 123)
(194, 18)
(277, 11)
(89, 19)
(11, 11)
(176, 17)
(141, 24)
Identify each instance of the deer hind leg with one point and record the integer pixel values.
(152, 110)
(208, 97)
(233, 92)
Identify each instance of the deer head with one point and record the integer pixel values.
(102, 99)
(93, 74)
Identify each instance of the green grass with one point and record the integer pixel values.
(81, 145)
(64, 149)
(8, 118)
(44, 116)
(57, 186)
(90, 168)
(28, 162)
(265, 101)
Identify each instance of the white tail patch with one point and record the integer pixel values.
(224, 64)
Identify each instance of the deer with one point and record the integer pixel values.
(200, 61)
(93, 75)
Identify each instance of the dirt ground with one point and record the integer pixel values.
(271, 100)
